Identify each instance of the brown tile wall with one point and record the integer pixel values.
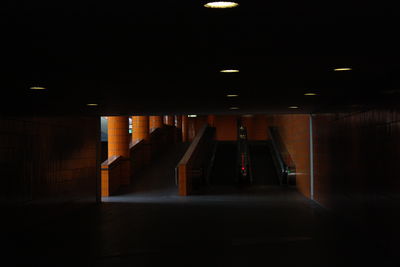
(48, 159)
(356, 157)
(257, 127)
(226, 126)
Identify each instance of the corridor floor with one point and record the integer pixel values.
(149, 225)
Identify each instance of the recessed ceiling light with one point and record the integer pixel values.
(293, 107)
(342, 69)
(233, 108)
(232, 95)
(92, 105)
(230, 71)
(192, 116)
(221, 4)
(37, 88)
(310, 94)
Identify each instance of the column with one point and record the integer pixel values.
(169, 120)
(178, 128)
(118, 136)
(140, 128)
(156, 122)
(118, 145)
(141, 153)
(178, 121)
(211, 120)
(185, 128)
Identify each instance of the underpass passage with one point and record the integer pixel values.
(262, 164)
(224, 166)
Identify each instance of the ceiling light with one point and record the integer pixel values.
(232, 95)
(342, 69)
(221, 4)
(233, 108)
(37, 88)
(92, 105)
(229, 71)
(310, 94)
(293, 107)
(192, 116)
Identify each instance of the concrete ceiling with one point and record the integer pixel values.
(158, 57)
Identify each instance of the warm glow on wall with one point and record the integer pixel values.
(308, 94)
(37, 88)
(293, 107)
(232, 95)
(221, 4)
(92, 105)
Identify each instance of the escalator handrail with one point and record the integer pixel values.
(283, 167)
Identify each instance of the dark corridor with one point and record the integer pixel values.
(147, 226)
(320, 80)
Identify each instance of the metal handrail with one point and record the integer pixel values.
(283, 168)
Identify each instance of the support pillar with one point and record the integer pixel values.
(118, 144)
(178, 121)
(169, 120)
(118, 136)
(140, 128)
(156, 122)
(211, 120)
(141, 152)
(178, 128)
(185, 128)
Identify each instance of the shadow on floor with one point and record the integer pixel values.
(149, 225)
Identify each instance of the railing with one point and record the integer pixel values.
(117, 171)
(244, 173)
(114, 172)
(140, 154)
(192, 169)
(282, 159)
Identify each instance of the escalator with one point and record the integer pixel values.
(224, 164)
(247, 162)
(262, 163)
(227, 164)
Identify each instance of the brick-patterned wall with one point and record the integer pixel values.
(356, 157)
(195, 124)
(294, 130)
(226, 127)
(257, 127)
(48, 159)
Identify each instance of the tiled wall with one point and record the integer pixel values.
(48, 159)
(356, 157)
(257, 127)
(356, 171)
(194, 126)
(295, 134)
(226, 126)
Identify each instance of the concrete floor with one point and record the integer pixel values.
(149, 225)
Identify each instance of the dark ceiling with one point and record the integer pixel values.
(158, 57)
